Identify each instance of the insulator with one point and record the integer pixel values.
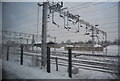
(48, 16)
(54, 23)
(96, 25)
(87, 34)
(65, 27)
(92, 36)
(69, 27)
(77, 30)
(70, 20)
(91, 29)
(61, 4)
(61, 15)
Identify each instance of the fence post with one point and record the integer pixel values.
(56, 63)
(21, 57)
(7, 52)
(48, 59)
(69, 63)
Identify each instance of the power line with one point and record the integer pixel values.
(79, 5)
(108, 23)
(100, 9)
(87, 6)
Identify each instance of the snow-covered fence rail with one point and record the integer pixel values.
(77, 61)
(85, 67)
(87, 64)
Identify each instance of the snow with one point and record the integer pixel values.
(112, 50)
(27, 71)
(97, 45)
(24, 72)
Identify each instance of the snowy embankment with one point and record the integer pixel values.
(24, 72)
(29, 71)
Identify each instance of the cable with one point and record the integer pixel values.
(108, 23)
(79, 5)
(101, 9)
(87, 6)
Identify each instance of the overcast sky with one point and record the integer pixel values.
(22, 17)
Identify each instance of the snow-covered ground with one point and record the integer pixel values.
(28, 71)
(24, 72)
(113, 50)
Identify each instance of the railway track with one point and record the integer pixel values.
(87, 67)
(86, 64)
(99, 65)
(84, 54)
(86, 57)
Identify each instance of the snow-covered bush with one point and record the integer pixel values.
(75, 70)
(35, 61)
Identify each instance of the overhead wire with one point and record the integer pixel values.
(87, 6)
(94, 4)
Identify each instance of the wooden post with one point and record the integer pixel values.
(70, 62)
(48, 59)
(56, 64)
(21, 57)
(7, 52)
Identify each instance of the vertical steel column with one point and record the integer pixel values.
(33, 41)
(93, 48)
(21, 57)
(48, 59)
(56, 63)
(55, 44)
(106, 42)
(70, 62)
(27, 41)
(7, 52)
(44, 34)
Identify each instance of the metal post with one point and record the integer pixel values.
(56, 63)
(7, 52)
(33, 41)
(44, 34)
(21, 57)
(55, 44)
(27, 41)
(93, 50)
(106, 42)
(70, 62)
(48, 59)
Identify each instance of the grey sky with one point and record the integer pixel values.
(22, 17)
